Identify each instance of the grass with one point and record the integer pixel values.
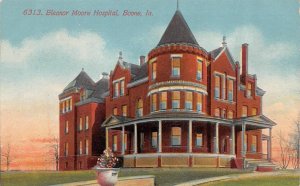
(163, 176)
(278, 180)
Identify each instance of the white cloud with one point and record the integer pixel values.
(84, 47)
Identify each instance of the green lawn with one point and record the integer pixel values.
(278, 180)
(163, 176)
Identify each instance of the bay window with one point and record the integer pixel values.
(189, 100)
(163, 101)
(176, 100)
(199, 102)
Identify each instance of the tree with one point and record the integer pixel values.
(6, 156)
(54, 150)
(285, 150)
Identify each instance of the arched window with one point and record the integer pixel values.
(139, 111)
(176, 136)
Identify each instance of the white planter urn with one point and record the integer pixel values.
(107, 176)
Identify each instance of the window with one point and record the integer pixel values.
(176, 100)
(249, 90)
(230, 90)
(63, 107)
(223, 113)
(189, 100)
(153, 71)
(86, 146)
(254, 144)
(124, 110)
(163, 101)
(70, 104)
(115, 143)
(80, 147)
(176, 136)
(217, 87)
(199, 70)
(66, 149)
(86, 122)
(67, 127)
(115, 111)
(122, 88)
(66, 165)
(199, 139)
(80, 124)
(154, 139)
(230, 114)
(125, 141)
(153, 102)
(139, 111)
(116, 89)
(217, 112)
(254, 112)
(176, 67)
(199, 102)
(244, 111)
(82, 95)
(67, 105)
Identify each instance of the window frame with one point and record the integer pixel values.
(199, 66)
(174, 136)
(175, 67)
(176, 100)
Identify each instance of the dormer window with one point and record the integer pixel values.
(199, 70)
(82, 95)
(176, 66)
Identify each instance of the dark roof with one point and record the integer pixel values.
(83, 80)
(137, 72)
(216, 52)
(177, 32)
(101, 87)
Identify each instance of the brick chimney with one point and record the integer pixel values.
(244, 61)
(142, 60)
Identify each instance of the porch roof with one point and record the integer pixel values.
(259, 122)
(179, 116)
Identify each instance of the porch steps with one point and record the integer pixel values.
(260, 165)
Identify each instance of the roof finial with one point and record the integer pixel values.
(177, 4)
(224, 41)
(82, 69)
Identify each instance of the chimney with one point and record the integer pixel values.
(105, 75)
(142, 60)
(244, 61)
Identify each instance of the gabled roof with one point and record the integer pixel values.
(178, 32)
(83, 80)
(114, 120)
(215, 54)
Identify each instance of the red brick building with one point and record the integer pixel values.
(182, 106)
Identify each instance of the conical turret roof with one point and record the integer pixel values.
(178, 32)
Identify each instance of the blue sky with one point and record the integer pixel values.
(40, 55)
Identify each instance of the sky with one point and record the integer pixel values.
(41, 54)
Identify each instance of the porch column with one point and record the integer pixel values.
(270, 145)
(190, 144)
(243, 140)
(135, 138)
(123, 136)
(232, 140)
(106, 138)
(159, 136)
(216, 146)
